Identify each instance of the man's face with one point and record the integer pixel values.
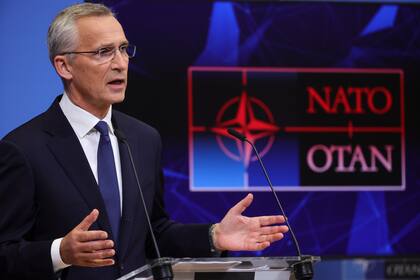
(94, 84)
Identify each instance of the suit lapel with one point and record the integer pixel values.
(69, 153)
(130, 199)
(130, 191)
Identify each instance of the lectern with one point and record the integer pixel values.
(255, 268)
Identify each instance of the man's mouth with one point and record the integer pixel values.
(116, 82)
(117, 85)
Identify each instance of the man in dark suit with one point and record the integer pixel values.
(69, 200)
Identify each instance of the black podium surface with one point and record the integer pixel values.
(251, 268)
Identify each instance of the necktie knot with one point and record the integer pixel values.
(102, 127)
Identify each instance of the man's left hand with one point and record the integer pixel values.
(240, 233)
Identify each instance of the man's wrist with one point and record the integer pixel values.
(213, 235)
(56, 259)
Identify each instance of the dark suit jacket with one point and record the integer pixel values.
(47, 188)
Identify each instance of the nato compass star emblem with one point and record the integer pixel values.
(240, 113)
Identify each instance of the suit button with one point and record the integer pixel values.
(121, 266)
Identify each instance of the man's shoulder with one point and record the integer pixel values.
(29, 130)
(36, 128)
(131, 125)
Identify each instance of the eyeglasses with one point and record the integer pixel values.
(107, 54)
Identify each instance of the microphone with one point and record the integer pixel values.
(303, 269)
(161, 267)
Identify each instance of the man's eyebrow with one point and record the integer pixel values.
(106, 45)
(111, 45)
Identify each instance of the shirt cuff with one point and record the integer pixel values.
(57, 262)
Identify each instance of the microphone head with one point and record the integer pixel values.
(120, 135)
(236, 134)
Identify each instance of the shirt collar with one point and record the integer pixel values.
(81, 120)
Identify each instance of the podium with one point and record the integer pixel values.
(249, 268)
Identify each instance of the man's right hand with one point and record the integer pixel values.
(84, 247)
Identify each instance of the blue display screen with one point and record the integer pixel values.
(370, 50)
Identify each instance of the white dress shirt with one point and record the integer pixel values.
(83, 124)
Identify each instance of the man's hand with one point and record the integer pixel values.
(84, 247)
(240, 233)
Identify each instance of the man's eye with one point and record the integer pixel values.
(123, 48)
(105, 51)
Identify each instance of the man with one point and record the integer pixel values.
(69, 200)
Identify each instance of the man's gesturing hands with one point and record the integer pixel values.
(240, 233)
(84, 247)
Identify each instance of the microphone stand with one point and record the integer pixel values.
(161, 267)
(303, 269)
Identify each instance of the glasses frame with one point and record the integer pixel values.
(103, 49)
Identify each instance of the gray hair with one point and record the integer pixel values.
(62, 33)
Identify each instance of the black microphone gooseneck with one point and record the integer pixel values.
(303, 269)
(161, 267)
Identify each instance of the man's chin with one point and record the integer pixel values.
(117, 97)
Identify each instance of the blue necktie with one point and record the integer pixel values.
(107, 179)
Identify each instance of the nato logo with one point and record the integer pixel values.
(316, 129)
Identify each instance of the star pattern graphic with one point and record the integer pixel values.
(246, 122)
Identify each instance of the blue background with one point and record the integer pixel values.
(27, 78)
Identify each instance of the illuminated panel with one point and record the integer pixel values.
(317, 129)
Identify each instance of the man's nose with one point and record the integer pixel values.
(119, 61)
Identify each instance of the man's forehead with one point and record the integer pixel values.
(100, 30)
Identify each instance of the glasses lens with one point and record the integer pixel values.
(131, 50)
(106, 53)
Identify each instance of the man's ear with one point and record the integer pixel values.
(63, 67)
